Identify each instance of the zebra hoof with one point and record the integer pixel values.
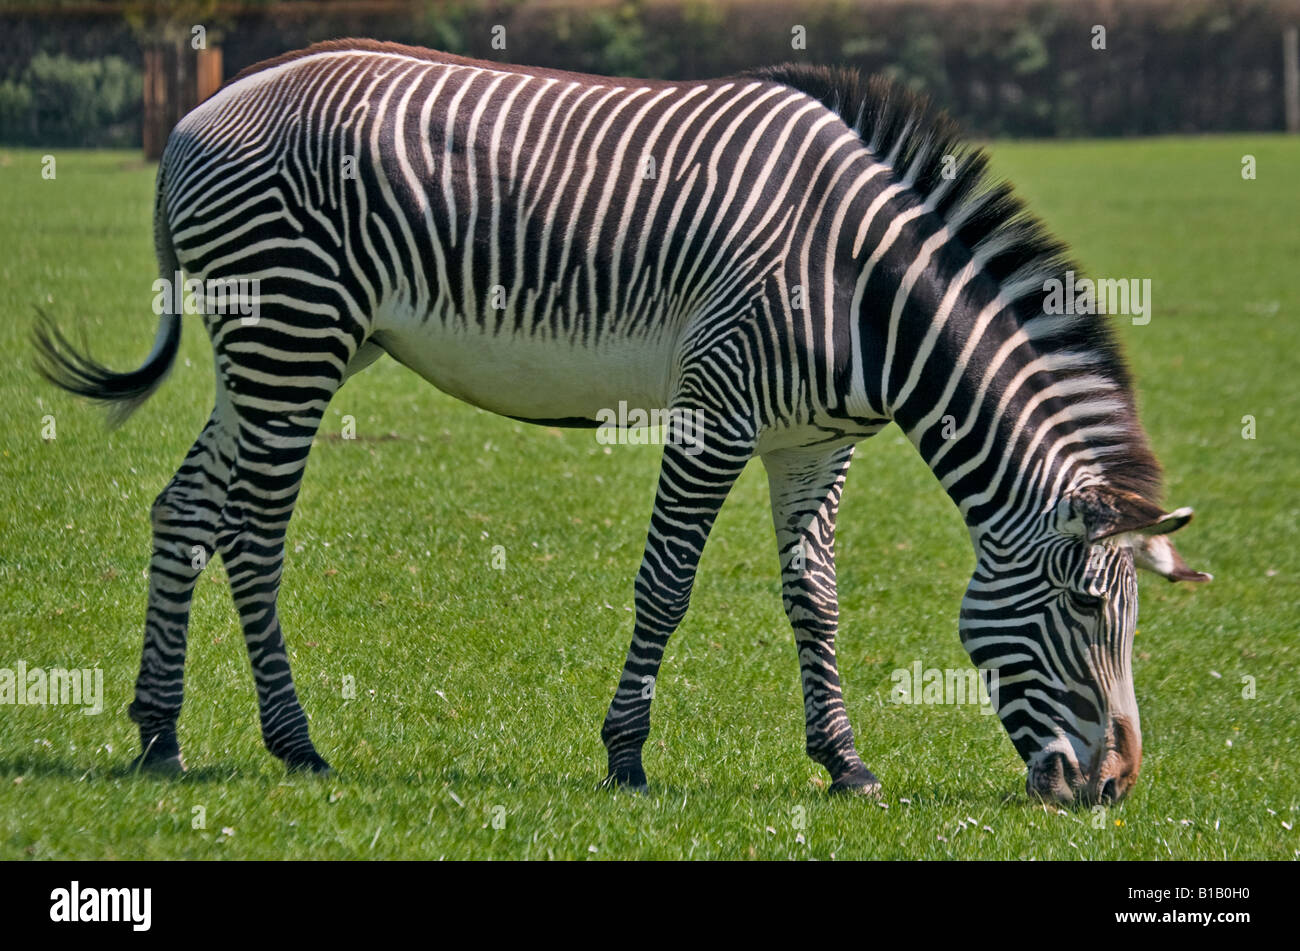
(858, 782)
(160, 755)
(627, 780)
(309, 763)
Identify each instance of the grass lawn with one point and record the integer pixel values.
(474, 732)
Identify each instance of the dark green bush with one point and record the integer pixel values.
(57, 100)
(1002, 67)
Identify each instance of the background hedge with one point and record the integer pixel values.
(69, 72)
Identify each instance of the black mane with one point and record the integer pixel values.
(914, 137)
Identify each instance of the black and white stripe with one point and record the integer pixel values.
(794, 256)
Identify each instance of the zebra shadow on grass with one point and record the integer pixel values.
(18, 769)
(470, 783)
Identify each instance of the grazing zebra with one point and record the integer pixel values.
(795, 257)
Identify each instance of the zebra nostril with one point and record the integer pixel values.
(1108, 791)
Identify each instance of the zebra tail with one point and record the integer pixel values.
(75, 371)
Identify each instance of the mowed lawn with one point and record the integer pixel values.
(479, 693)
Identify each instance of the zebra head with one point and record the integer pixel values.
(1053, 619)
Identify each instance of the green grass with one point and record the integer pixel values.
(480, 693)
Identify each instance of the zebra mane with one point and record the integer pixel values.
(926, 149)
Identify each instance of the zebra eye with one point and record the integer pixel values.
(1086, 601)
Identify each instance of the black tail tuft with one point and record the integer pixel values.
(75, 371)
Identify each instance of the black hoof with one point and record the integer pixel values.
(859, 781)
(628, 779)
(309, 763)
(161, 756)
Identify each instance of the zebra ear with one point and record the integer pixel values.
(1157, 553)
(1107, 512)
(1136, 523)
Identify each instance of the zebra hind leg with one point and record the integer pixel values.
(271, 456)
(805, 487)
(276, 398)
(694, 481)
(185, 519)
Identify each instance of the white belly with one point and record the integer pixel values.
(528, 377)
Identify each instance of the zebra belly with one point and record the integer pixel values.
(530, 378)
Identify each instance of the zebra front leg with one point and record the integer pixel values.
(271, 458)
(184, 517)
(805, 487)
(694, 479)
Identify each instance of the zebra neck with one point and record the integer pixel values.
(1005, 436)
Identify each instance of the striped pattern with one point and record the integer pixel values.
(794, 256)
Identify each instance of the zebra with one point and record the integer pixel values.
(796, 256)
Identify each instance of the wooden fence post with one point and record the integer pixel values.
(1291, 77)
(176, 79)
(209, 73)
